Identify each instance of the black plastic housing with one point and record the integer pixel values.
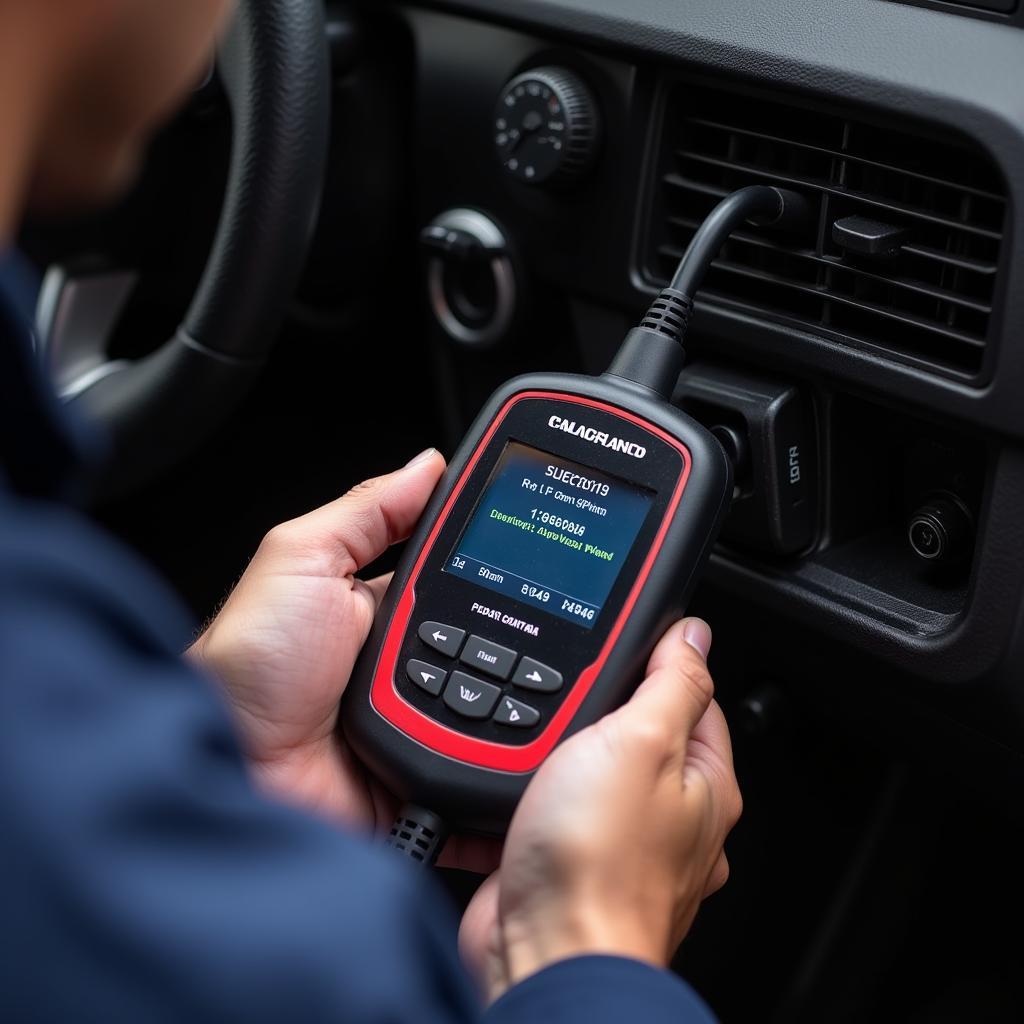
(479, 799)
(776, 509)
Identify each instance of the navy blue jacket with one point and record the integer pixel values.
(141, 876)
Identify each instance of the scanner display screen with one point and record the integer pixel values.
(551, 533)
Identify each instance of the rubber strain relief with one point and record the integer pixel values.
(419, 834)
(669, 315)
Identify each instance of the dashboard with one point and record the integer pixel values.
(510, 184)
(868, 367)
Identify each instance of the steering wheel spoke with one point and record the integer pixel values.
(75, 319)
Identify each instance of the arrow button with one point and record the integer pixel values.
(445, 639)
(516, 714)
(532, 675)
(426, 676)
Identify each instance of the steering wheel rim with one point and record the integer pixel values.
(275, 68)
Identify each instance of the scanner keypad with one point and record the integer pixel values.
(468, 695)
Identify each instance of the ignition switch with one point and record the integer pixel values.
(470, 277)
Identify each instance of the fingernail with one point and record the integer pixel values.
(421, 458)
(697, 633)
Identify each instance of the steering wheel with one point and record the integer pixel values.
(275, 68)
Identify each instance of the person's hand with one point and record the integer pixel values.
(619, 837)
(285, 643)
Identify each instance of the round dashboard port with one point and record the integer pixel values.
(941, 530)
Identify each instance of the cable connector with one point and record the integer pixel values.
(419, 834)
(653, 354)
(670, 314)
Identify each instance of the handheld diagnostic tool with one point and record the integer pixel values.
(565, 538)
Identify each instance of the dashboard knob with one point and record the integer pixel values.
(547, 127)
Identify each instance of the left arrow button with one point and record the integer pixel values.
(426, 676)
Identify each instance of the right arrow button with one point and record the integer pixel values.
(533, 675)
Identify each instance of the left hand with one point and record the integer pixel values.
(286, 641)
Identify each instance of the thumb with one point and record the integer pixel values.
(678, 689)
(375, 514)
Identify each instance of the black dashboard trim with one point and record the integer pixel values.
(894, 63)
(893, 59)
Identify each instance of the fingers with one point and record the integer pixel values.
(719, 876)
(478, 920)
(709, 755)
(371, 593)
(678, 690)
(378, 587)
(375, 514)
(710, 739)
(480, 942)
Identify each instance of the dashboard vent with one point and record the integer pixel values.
(930, 305)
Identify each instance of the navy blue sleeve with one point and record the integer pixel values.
(142, 878)
(601, 990)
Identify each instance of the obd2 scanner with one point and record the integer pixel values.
(566, 536)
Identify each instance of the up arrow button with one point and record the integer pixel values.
(443, 638)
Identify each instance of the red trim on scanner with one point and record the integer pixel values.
(388, 701)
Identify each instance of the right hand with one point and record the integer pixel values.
(620, 835)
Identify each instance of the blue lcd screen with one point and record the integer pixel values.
(551, 533)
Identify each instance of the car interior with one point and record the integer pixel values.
(360, 227)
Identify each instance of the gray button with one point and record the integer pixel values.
(471, 698)
(516, 714)
(487, 657)
(446, 639)
(426, 676)
(532, 675)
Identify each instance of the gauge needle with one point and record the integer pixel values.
(531, 122)
(519, 139)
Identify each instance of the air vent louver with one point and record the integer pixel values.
(931, 305)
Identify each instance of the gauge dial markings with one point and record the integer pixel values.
(546, 127)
